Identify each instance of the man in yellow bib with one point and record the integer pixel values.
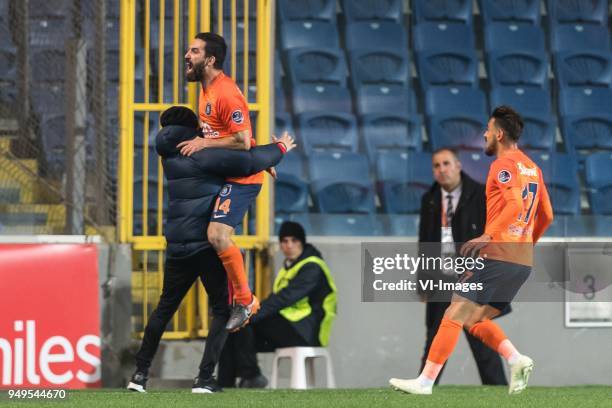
(299, 312)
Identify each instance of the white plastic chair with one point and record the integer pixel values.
(302, 363)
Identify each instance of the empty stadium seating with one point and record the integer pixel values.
(379, 66)
(372, 10)
(443, 37)
(327, 131)
(295, 34)
(349, 191)
(577, 11)
(330, 98)
(576, 37)
(584, 68)
(402, 179)
(324, 10)
(385, 99)
(514, 37)
(448, 100)
(291, 194)
(475, 164)
(443, 10)
(447, 68)
(380, 35)
(560, 175)
(390, 132)
(527, 11)
(576, 101)
(316, 65)
(598, 170)
(589, 131)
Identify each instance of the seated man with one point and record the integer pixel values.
(299, 312)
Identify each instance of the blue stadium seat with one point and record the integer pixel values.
(443, 37)
(378, 35)
(514, 37)
(8, 56)
(168, 35)
(560, 175)
(229, 39)
(443, 10)
(372, 10)
(457, 130)
(447, 68)
(4, 10)
(227, 68)
(475, 164)
(296, 34)
(50, 33)
(406, 225)
(526, 11)
(532, 101)
(335, 190)
(302, 218)
(395, 99)
(53, 68)
(316, 65)
(577, 11)
(583, 68)
(402, 178)
(598, 170)
(6, 37)
(379, 66)
(327, 131)
(280, 103)
(46, 99)
(329, 98)
(390, 132)
(589, 131)
(346, 224)
(291, 194)
(446, 100)
(539, 132)
(283, 123)
(578, 37)
(45, 9)
(518, 68)
(324, 10)
(576, 101)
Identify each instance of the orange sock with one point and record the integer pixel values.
(489, 333)
(444, 342)
(234, 266)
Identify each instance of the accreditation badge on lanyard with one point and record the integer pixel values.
(448, 245)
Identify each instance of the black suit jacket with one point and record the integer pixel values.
(467, 223)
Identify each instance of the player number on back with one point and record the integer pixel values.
(528, 195)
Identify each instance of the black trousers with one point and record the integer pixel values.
(239, 356)
(179, 276)
(489, 362)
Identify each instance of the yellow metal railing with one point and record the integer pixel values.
(144, 94)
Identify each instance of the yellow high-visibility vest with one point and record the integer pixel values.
(301, 308)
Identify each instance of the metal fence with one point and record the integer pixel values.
(59, 76)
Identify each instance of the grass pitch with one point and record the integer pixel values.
(444, 396)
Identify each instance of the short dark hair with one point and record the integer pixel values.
(446, 149)
(215, 47)
(509, 121)
(179, 116)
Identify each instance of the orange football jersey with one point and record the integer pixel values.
(515, 194)
(223, 107)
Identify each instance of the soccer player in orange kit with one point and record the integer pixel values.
(518, 213)
(224, 115)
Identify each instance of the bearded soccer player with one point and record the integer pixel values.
(224, 115)
(518, 213)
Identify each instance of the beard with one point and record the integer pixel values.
(196, 74)
(491, 148)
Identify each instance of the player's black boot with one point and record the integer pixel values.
(138, 382)
(205, 386)
(259, 381)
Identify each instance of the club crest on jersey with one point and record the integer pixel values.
(237, 116)
(504, 176)
(208, 109)
(226, 190)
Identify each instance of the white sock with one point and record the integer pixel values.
(426, 381)
(514, 357)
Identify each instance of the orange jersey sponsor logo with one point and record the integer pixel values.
(223, 107)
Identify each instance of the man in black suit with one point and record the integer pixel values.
(453, 211)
